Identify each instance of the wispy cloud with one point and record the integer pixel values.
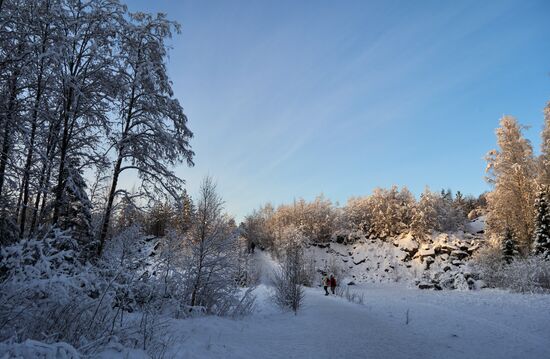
(278, 94)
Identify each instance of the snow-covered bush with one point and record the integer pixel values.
(357, 214)
(436, 212)
(356, 297)
(289, 278)
(211, 258)
(522, 274)
(35, 349)
(310, 272)
(488, 261)
(248, 273)
(169, 263)
(332, 266)
(124, 264)
(47, 294)
(528, 275)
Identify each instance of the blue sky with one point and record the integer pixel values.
(291, 99)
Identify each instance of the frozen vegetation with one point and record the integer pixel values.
(393, 321)
(91, 269)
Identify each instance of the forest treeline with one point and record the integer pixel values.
(516, 209)
(385, 213)
(84, 97)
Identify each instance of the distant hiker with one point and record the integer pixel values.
(326, 283)
(252, 246)
(332, 283)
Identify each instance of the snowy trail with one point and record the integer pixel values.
(449, 324)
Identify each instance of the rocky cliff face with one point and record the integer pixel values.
(439, 262)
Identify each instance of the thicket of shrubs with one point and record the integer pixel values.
(49, 293)
(383, 214)
(529, 274)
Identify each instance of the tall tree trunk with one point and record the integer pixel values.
(8, 125)
(43, 182)
(62, 159)
(28, 162)
(116, 173)
(110, 201)
(19, 199)
(34, 119)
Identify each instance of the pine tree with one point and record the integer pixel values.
(542, 224)
(544, 159)
(129, 214)
(186, 212)
(509, 246)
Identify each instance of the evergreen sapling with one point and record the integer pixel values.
(509, 246)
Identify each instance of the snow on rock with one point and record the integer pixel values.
(476, 226)
(428, 261)
(425, 285)
(403, 259)
(406, 243)
(459, 254)
(425, 251)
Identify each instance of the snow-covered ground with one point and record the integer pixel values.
(441, 324)
(395, 321)
(446, 324)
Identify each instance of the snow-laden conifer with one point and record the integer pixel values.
(509, 246)
(541, 241)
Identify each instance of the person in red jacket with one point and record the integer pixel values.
(332, 283)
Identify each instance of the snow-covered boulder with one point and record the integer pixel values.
(476, 226)
(406, 243)
(425, 251)
(426, 285)
(428, 261)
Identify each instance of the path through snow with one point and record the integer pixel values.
(448, 324)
